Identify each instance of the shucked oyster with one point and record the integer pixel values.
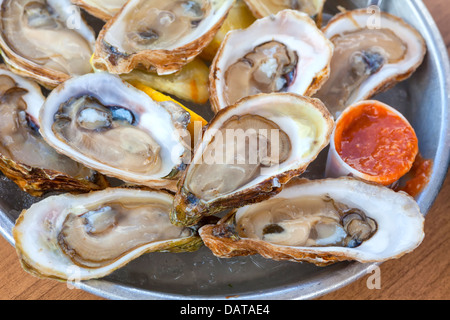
(89, 236)
(370, 56)
(46, 40)
(282, 53)
(25, 157)
(102, 9)
(160, 36)
(107, 124)
(322, 222)
(264, 8)
(248, 151)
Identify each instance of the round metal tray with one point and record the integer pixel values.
(423, 99)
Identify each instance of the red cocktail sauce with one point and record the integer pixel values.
(418, 178)
(376, 141)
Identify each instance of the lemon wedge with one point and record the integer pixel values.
(239, 17)
(159, 97)
(189, 84)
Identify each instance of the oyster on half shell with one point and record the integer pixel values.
(368, 59)
(322, 222)
(46, 40)
(25, 157)
(282, 53)
(249, 151)
(114, 128)
(160, 36)
(89, 236)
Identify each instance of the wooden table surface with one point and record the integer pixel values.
(423, 274)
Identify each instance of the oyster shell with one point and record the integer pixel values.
(249, 151)
(322, 222)
(282, 53)
(89, 236)
(46, 40)
(114, 128)
(102, 9)
(158, 36)
(25, 157)
(264, 8)
(368, 59)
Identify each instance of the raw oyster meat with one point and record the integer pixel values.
(109, 125)
(249, 151)
(368, 58)
(158, 36)
(88, 236)
(322, 222)
(282, 53)
(25, 157)
(46, 40)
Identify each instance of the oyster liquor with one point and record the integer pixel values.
(239, 309)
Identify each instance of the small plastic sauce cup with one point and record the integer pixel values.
(372, 141)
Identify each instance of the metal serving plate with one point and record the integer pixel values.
(423, 99)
